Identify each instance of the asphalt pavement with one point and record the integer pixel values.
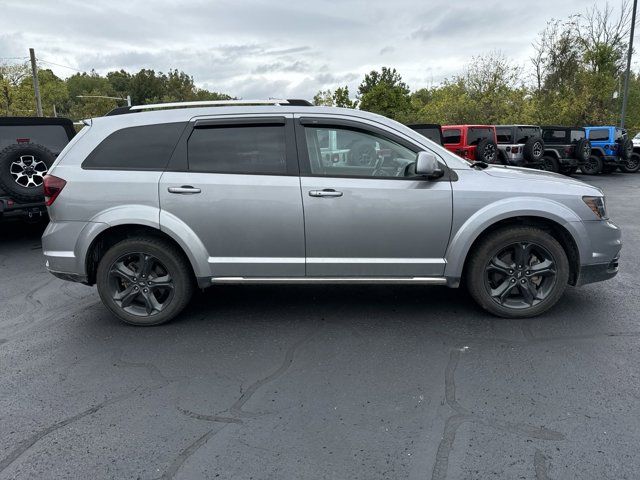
(320, 382)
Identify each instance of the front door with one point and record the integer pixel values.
(240, 194)
(366, 213)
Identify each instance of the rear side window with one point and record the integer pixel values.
(54, 137)
(147, 147)
(246, 149)
(475, 135)
(599, 134)
(504, 135)
(451, 136)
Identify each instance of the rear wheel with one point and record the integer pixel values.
(550, 164)
(632, 164)
(144, 281)
(517, 272)
(592, 166)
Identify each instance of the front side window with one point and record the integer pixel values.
(249, 149)
(452, 136)
(476, 135)
(338, 151)
(599, 134)
(147, 147)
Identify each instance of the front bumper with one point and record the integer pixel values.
(597, 272)
(600, 261)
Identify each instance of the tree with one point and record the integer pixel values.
(385, 93)
(335, 98)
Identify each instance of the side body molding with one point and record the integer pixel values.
(463, 235)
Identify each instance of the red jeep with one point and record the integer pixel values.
(472, 142)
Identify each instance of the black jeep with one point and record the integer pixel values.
(565, 148)
(28, 147)
(432, 131)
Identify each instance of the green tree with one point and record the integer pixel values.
(335, 98)
(385, 93)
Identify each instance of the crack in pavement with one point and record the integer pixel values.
(235, 409)
(540, 466)
(462, 415)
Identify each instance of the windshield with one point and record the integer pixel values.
(476, 134)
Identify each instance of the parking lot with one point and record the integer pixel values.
(339, 382)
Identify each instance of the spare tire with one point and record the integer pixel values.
(22, 170)
(533, 149)
(626, 148)
(487, 151)
(583, 150)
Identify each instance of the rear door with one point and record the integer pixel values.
(239, 191)
(366, 213)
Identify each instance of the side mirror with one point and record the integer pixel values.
(427, 165)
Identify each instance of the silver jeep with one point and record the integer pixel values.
(160, 199)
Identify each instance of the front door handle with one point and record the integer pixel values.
(327, 192)
(184, 190)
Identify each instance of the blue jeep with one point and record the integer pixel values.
(610, 148)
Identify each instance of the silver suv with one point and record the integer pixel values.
(161, 199)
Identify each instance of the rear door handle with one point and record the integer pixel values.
(184, 190)
(327, 192)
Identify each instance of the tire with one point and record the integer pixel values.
(163, 261)
(549, 164)
(568, 170)
(593, 166)
(583, 150)
(493, 263)
(533, 149)
(632, 165)
(625, 147)
(22, 168)
(487, 151)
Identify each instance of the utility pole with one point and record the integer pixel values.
(36, 84)
(625, 95)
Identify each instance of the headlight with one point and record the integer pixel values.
(597, 206)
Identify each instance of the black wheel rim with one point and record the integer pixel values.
(490, 153)
(520, 275)
(537, 150)
(140, 284)
(632, 163)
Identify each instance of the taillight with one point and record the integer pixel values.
(515, 149)
(52, 188)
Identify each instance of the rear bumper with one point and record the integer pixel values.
(9, 208)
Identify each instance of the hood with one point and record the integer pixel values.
(526, 174)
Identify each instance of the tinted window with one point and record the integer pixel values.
(599, 134)
(148, 147)
(451, 136)
(577, 135)
(620, 133)
(238, 149)
(504, 134)
(54, 137)
(475, 135)
(525, 133)
(554, 136)
(432, 133)
(336, 151)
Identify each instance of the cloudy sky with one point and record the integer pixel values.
(273, 48)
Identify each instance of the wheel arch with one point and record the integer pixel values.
(561, 223)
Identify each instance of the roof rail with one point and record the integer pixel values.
(206, 103)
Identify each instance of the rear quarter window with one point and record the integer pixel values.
(147, 147)
(599, 134)
(554, 136)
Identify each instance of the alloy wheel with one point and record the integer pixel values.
(28, 171)
(140, 284)
(490, 153)
(520, 275)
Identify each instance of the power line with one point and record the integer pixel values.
(59, 65)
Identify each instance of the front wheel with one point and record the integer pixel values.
(632, 164)
(144, 281)
(517, 272)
